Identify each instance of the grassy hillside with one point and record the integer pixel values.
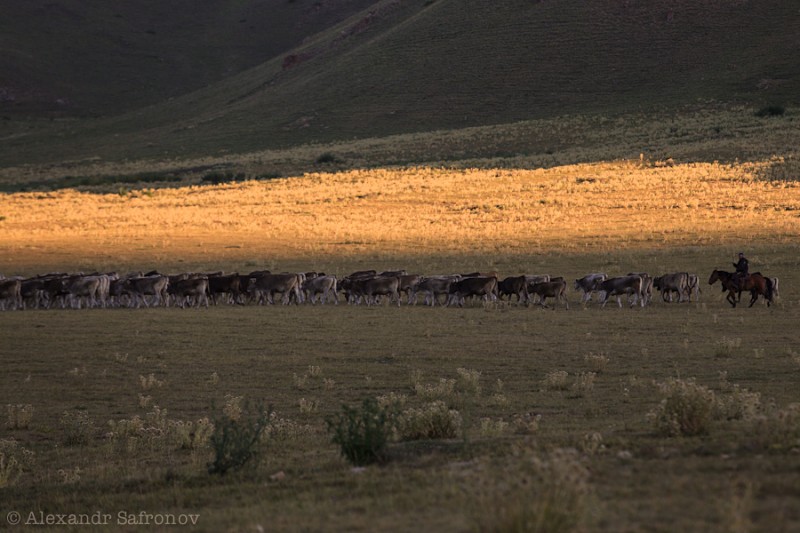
(89, 57)
(410, 66)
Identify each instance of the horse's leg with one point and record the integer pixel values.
(732, 298)
(753, 297)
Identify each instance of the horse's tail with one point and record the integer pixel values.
(770, 289)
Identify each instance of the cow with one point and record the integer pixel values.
(485, 287)
(371, 288)
(557, 288)
(693, 287)
(774, 287)
(346, 284)
(514, 285)
(392, 274)
(54, 290)
(408, 285)
(360, 274)
(32, 292)
(588, 285)
(322, 285)
(266, 286)
(82, 288)
(11, 294)
(187, 290)
(628, 285)
(140, 288)
(230, 286)
(677, 282)
(433, 287)
(647, 287)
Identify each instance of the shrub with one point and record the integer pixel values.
(726, 347)
(771, 111)
(328, 158)
(597, 362)
(14, 460)
(583, 384)
(19, 416)
(493, 428)
(468, 381)
(739, 404)
(556, 380)
(443, 390)
(526, 424)
(217, 178)
(78, 428)
(189, 435)
(777, 429)
(235, 442)
(362, 434)
(432, 421)
(529, 493)
(686, 408)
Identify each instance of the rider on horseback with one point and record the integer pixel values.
(742, 269)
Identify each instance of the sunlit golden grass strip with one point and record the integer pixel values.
(577, 208)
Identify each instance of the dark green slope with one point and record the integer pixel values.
(414, 65)
(100, 57)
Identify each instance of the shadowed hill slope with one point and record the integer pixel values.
(408, 65)
(94, 57)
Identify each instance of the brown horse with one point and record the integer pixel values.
(757, 284)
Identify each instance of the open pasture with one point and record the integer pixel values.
(573, 417)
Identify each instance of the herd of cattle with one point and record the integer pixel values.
(363, 287)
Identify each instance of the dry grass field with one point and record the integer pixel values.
(419, 215)
(672, 417)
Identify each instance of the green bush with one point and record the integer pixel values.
(771, 111)
(235, 441)
(328, 157)
(217, 178)
(362, 434)
(78, 428)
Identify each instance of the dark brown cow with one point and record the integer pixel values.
(551, 289)
(11, 294)
(511, 286)
(230, 286)
(187, 290)
(485, 287)
(370, 289)
(629, 285)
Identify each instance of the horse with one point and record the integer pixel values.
(755, 283)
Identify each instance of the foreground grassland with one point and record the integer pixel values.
(558, 411)
(567, 416)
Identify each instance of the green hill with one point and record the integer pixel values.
(93, 57)
(419, 65)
